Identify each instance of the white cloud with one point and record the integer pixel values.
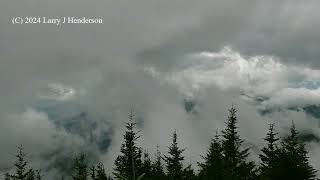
(255, 76)
(61, 92)
(39, 136)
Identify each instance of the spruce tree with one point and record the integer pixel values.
(7, 176)
(98, 172)
(34, 175)
(38, 175)
(128, 165)
(157, 172)
(236, 166)
(211, 168)
(80, 168)
(22, 171)
(101, 174)
(93, 172)
(188, 173)
(294, 163)
(31, 175)
(174, 160)
(270, 156)
(146, 166)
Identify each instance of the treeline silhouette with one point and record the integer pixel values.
(226, 159)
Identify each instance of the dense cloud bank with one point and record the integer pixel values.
(154, 56)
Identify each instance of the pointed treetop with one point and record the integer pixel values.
(271, 135)
(131, 115)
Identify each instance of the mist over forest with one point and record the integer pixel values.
(180, 65)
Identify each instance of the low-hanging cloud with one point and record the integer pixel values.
(261, 75)
(153, 56)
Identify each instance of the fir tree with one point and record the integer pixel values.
(93, 173)
(31, 175)
(236, 166)
(22, 171)
(7, 176)
(157, 172)
(174, 160)
(34, 175)
(98, 173)
(38, 175)
(101, 174)
(146, 166)
(188, 173)
(129, 163)
(294, 163)
(80, 168)
(212, 166)
(270, 156)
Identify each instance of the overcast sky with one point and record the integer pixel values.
(153, 55)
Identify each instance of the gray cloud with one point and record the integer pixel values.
(145, 56)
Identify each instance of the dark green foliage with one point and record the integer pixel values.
(93, 172)
(270, 156)
(212, 166)
(22, 171)
(157, 172)
(101, 174)
(31, 176)
(226, 159)
(80, 168)
(129, 164)
(7, 176)
(293, 160)
(98, 173)
(188, 173)
(34, 175)
(236, 166)
(174, 160)
(38, 175)
(146, 166)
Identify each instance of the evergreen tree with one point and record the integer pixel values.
(236, 166)
(98, 173)
(93, 173)
(38, 175)
(80, 168)
(146, 166)
(129, 163)
(22, 171)
(34, 175)
(188, 173)
(31, 175)
(211, 168)
(270, 156)
(157, 172)
(293, 161)
(101, 174)
(7, 176)
(174, 160)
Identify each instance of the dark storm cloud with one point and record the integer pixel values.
(287, 29)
